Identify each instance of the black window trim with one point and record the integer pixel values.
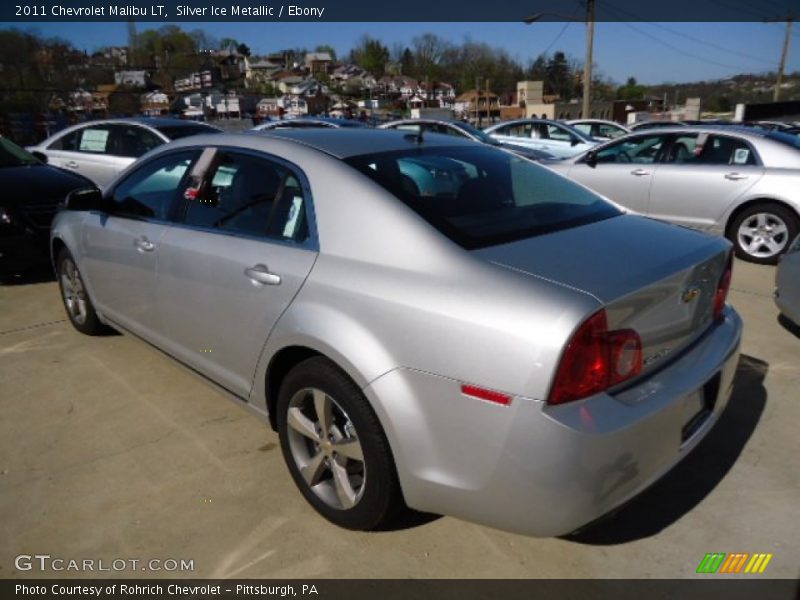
(721, 134)
(310, 243)
(174, 203)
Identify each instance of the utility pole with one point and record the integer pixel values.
(488, 103)
(776, 96)
(587, 67)
(477, 101)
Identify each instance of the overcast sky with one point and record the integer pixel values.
(651, 52)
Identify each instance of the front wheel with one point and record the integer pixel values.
(762, 232)
(335, 447)
(79, 307)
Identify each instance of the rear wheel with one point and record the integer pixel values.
(762, 232)
(79, 307)
(335, 447)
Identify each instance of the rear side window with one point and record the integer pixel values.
(479, 196)
(249, 195)
(705, 149)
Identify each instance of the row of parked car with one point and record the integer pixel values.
(429, 321)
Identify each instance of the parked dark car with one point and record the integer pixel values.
(32, 192)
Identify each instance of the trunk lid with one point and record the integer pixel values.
(655, 278)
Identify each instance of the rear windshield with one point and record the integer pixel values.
(175, 132)
(479, 196)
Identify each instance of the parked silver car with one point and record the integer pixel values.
(465, 130)
(476, 352)
(787, 283)
(553, 137)
(101, 149)
(742, 183)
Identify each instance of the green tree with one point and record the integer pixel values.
(631, 90)
(371, 55)
(326, 48)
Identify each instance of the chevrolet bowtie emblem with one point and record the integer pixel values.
(689, 294)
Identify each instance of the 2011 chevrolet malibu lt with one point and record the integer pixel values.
(428, 322)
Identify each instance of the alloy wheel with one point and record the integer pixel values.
(763, 235)
(326, 448)
(73, 291)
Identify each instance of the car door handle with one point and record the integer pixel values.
(261, 274)
(71, 164)
(142, 244)
(735, 176)
(640, 172)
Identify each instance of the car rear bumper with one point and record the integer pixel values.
(547, 470)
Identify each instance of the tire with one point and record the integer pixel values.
(763, 232)
(354, 494)
(77, 303)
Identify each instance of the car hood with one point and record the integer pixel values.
(35, 184)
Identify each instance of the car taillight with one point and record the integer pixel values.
(595, 360)
(722, 288)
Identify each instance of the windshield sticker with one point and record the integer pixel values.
(740, 156)
(94, 140)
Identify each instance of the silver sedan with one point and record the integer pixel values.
(101, 149)
(741, 183)
(787, 283)
(414, 346)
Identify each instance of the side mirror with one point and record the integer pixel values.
(574, 141)
(591, 158)
(41, 156)
(84, 199)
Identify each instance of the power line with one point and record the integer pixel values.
(553, 43)
(680, 51)
(695, 39)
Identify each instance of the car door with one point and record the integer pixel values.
(227, 272)
(87, 151)
(120, 247)
(559, 141)
(624, 170)
(700, 177)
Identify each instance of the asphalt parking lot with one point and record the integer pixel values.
(109, 450)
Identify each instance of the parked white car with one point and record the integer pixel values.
(599, 129)
(559, 139)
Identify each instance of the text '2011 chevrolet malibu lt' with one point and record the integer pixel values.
(427, 322)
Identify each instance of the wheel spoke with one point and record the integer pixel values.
(748, 231)
(761, 219)
(774, 246)
(301, 424)
(313, 471)
(754, 245)
(322, 404)
(349, 447)
(779, 229)
(344, 490)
